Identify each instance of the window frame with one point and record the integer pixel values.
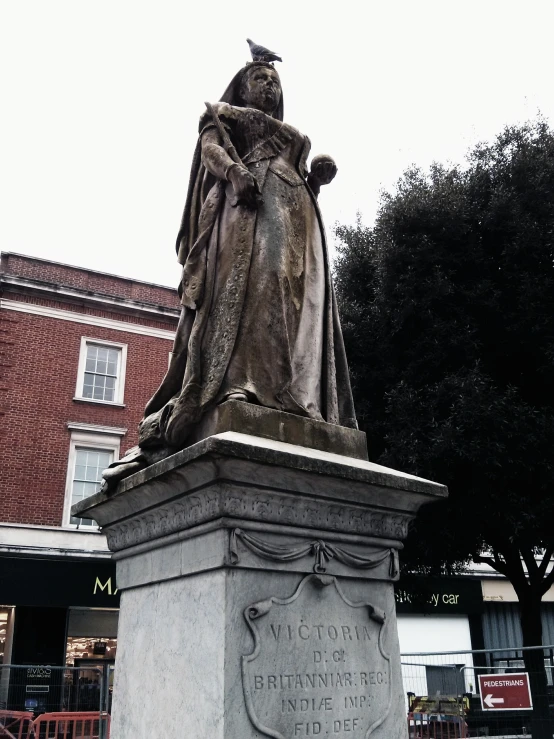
(99, 441)
(87, 341)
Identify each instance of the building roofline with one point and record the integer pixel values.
(87, 269)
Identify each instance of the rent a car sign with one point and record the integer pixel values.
(505, 692)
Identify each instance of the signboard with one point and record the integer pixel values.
(319, 665)
(507, 691)
(429, 595)
(38, 679)
(99, 647)
(58, 583)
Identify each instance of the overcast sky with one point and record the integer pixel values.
(100, 103)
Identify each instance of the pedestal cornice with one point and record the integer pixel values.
(236, 479)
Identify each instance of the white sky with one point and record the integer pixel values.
(101, 98)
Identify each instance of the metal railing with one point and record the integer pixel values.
(520, 704)
(16, 724)
(28, 692)
(64, 725)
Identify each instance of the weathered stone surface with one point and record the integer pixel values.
(251, 460)
(242, 478)
(257, 564)
(170, 676)
(257, 592)
(319, 664)
(255, 420)
(180, 555)
(260, 321)
(188, 640)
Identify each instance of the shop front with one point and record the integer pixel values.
(58, 618)
(438, 615)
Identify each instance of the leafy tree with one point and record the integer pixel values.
(448, 314)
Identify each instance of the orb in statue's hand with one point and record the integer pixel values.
(323, 169)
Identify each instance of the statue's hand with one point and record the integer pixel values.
(323, 171)
(245, 186)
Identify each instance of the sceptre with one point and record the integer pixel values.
(229, 147)
(227, 143)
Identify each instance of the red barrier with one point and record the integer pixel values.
(436, 726)
(71, 725)
(16, 724)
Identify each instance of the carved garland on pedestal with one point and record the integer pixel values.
(322, 551)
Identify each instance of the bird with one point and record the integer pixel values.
(261, 54)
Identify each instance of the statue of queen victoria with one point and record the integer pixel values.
(259, 320)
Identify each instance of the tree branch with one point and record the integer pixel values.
(548, 581)
(530, 563)
(495, 563)
(546, 557)
(514, 567)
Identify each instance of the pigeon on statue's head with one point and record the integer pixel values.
(261, 54)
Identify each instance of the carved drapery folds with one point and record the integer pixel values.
(323, 552)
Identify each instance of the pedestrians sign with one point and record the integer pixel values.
(508, 691)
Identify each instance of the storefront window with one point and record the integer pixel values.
(6, 633)
(6, 640)
(94, 649)
(3, 633)
(91, 635)
(91, 650)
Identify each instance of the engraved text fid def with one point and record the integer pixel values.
(318, 667)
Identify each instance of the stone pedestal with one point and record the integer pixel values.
(257, 600)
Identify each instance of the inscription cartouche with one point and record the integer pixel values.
(319, 666)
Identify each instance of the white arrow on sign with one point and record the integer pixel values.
(489, 701)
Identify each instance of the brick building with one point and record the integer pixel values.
(80, 354)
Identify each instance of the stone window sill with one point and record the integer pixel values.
(81, 529)
(99, 402)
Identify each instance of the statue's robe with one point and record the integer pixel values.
(259, 311)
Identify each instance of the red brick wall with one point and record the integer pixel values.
(38, 369)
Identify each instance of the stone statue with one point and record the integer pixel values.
(259, 321)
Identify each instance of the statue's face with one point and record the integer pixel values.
(261, 89)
